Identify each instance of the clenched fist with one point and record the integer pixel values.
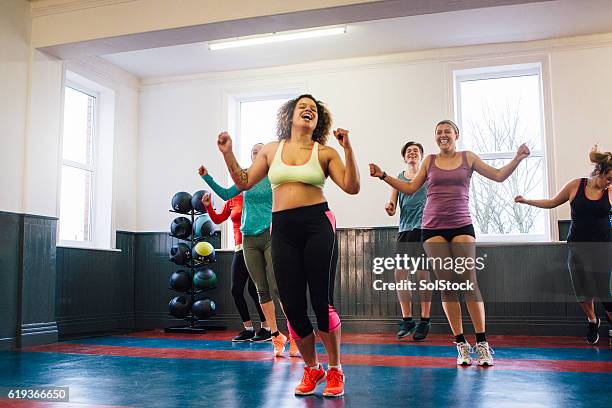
(224, 142)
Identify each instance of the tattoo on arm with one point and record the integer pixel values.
(244, 177)
(240, 173)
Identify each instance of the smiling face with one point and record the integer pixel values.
(305, 114)
(255, 150)
(412, 155)
(446, 137)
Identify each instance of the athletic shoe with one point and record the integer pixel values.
(406, 328)
(311, 378)
(484, 353)
(262, 335)
(464, 350)
(593, 331)
(293, 349)
(422, 330)
(335, 383)
(245, 335)
(278, 342)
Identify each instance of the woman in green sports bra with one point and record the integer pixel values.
(304, 249)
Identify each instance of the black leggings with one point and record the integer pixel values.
(590, 267)
(304, 255)
(240, 277)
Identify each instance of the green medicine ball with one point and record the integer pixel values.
(205, 279)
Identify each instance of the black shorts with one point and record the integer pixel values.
(449, 233)
(409, 242)
(409, 236)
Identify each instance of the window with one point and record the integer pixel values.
(254, 122)
(86, 174)
(497, 110)
(257, 124)
(78, 166)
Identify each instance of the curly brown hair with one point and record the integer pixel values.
(285, 118)
(602, 162)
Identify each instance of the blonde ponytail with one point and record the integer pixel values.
(601, 160)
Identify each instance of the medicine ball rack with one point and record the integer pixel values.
(191, 318)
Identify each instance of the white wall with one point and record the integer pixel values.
(43, 136)
(384, 101)
(126, 156)
(178, 128)
(582, 109)
(14, 59)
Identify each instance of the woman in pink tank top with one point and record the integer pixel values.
(448, 233)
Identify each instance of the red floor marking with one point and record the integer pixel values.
(6, 402)
(347, 359)
(389, 338)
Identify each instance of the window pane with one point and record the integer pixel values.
(75, 205)
(257, 125)
(78, 126)
(492, 204)
(500, 114)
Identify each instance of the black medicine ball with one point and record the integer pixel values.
(179, 307)
(181, 227)
(180, 281)
(181, 202)
(203, 309)
(180, 254)
(196, 201)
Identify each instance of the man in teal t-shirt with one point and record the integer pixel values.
(409, 242)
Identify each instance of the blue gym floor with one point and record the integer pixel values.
(154, 369)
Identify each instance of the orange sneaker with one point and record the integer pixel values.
(335, 383)
(278, 342)
(312, 377)
(293, 349)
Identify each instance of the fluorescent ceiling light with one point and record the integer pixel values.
(274, 37)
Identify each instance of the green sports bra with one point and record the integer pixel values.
(307, 173)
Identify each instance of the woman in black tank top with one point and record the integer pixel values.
(589, 248)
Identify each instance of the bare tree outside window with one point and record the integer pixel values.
(496, 115)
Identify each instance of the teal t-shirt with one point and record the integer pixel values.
(257, 204)
(411, 207)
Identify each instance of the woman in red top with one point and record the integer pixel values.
(240, 275)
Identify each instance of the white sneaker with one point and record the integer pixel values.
(464, 350)
(484, 353)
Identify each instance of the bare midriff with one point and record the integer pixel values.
(294, 195)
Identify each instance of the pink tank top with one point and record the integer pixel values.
(448, 198)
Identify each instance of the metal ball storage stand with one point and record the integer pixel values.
(192, 293)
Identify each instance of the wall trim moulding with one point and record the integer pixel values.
(40, 8)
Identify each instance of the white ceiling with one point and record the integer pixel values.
(525, 22)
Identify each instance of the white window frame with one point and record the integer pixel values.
(251, 98)
(503, 68)
(89, 243)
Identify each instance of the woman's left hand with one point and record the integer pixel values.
(522, 152)
(375, 171)
(342, 137)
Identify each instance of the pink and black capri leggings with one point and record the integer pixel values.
(304, 255)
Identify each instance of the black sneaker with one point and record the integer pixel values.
(245, 335)
(406, 328)
(262, 335)
(593, 332)
(422, 330)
